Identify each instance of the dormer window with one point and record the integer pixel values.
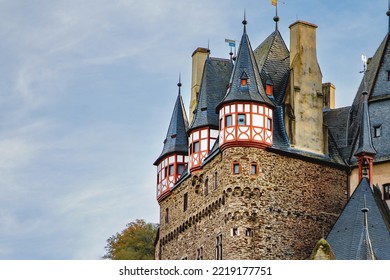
(269, 89)
(377, 131)
(244, 79)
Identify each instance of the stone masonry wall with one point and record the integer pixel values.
(279, 213)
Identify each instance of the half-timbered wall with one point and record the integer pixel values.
(201, 141)
(169, 171)
(245, 122)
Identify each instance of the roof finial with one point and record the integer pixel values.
(208, 48)
(388, 14)
(244, 22)
(276, 17)
(179, 84)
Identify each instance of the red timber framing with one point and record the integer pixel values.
(245, 124)
(365, 164)
(169, 171)
(201, 142)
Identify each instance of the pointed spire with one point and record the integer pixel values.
(365, 250)
(365, 140)
(246, 68)
(176, 140)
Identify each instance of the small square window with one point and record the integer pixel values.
(249, 232)
(377, 131)
(236, 168)
(235, 232)
(228, 120)
(241, 119)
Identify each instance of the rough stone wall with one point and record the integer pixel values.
(279, 213)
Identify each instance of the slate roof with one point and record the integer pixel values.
(176, 140)
(246, 66)
(346, 235)
(215, 82)
(365, 142)
(273, 59)
(375, 82)
(337, 121)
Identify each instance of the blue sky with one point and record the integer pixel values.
(86, 93)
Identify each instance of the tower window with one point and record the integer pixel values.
(185, 202)
(228, 120)
(235, 232)
(171, 170)
(196, 147)
(199, 253)
(218, 247)
(165, 171)
(244, 82)
(241, 119)
(254, 169)
(249, 232)
(269, 124)
(377, 131)
(206, 187)
(386, 190)
(166, 215)
(180, 168)
(215, 180)
(236, 168)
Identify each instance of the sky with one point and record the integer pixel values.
(87, 89)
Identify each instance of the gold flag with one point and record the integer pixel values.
(274, 2)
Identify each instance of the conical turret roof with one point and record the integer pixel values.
(176, 140)
(246, 67)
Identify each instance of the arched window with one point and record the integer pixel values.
(206, 187)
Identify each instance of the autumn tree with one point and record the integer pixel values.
(135, 242)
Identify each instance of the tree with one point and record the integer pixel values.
(135, 242)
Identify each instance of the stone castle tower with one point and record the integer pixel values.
(256, 173)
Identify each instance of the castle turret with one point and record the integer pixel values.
(246, 112)
(365, 152)
(305, 98)
(204, 127)
(174, 157)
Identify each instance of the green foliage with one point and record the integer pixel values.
(135, 242)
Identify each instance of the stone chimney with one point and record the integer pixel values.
(329, 92)
(199, 57)
(306, 97)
